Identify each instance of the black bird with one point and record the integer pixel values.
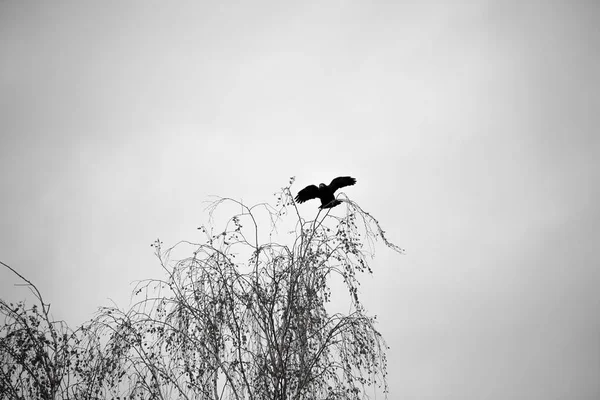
(324, 192)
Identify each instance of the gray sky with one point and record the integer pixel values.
(472, 129)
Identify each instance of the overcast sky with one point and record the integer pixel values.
(472, 128)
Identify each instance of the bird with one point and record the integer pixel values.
(325, 192)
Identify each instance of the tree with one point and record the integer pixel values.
(217, 327)
(220, 328)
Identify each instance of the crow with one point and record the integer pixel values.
(324, 192)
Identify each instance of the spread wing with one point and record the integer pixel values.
(309, 192)
(340, 182)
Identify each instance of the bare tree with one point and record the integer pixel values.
(39, 356)
(243, 318)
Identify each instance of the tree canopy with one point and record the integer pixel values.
(244, 315)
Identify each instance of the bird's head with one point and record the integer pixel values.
(322, 185)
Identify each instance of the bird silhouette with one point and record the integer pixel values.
(324, 192)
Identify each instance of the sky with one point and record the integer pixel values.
(472, 128)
